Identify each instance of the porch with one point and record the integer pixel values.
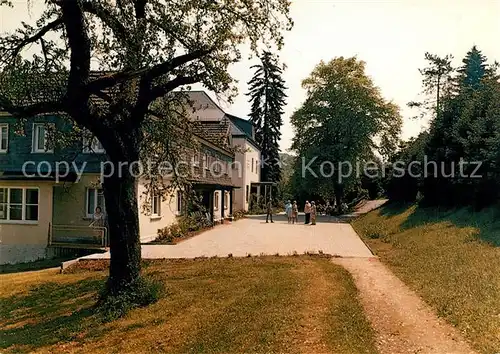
(214, 199)
(84, 237)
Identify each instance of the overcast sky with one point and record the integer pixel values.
(390, 36)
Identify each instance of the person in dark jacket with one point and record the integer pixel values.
(269, 208)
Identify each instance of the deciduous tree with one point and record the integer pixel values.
(343, 120)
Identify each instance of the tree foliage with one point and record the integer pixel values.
(143, 50)
(462, 145)
(344, 119)
(267, 96)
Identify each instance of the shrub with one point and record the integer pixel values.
(239, 214)
(164, 235)
(140, 293)
(183, 227)
(176, 230)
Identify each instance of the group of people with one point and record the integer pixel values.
(292, 212)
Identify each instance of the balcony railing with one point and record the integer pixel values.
(78, 236)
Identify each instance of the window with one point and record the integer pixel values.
(226, 200)
(156, 205)
(4, 137)
(40, 138)
(217, 166)
(252, 164)
(216, 200)
(91, 144)
(196, 159)
(179, 202)
(246, 194)
(94, 199)
(205, 160)
(257, 166)
(19, 204)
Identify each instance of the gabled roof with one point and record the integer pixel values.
(242, 128)
(216, 132)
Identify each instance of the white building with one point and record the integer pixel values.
(241, 134)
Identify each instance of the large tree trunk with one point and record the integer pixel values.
(120, 193)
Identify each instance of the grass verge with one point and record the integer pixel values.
(263, 304)
(449, 257)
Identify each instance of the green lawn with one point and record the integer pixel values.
(298, 304)
(451, 258)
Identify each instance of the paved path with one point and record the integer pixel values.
(402, 321)
(253, 236)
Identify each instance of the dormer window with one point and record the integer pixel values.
(41, 138)
(91, 144)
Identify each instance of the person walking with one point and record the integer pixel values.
(288, 211)
(295, 212)
(313, 213)
(269, 208)
(307, 212)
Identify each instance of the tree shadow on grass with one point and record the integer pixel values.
(49, 314)
(487, 221)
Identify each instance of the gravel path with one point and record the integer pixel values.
(403, 322)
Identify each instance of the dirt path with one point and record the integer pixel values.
(403, 322)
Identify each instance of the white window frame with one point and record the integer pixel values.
(205, 161)
(96, 190)
(217, 165)
(226, 200)
(216, 200)
(155, 201)
(4, 126)
(95, 145)
(196, 159)
(35, 148)
(23, 206)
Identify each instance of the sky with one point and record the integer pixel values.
(390, 36)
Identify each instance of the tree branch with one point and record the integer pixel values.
(79, 44)
(13, 52)
(106, 16)
(149, 73)
(30, 110)
(171, 85)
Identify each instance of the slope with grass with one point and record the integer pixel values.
(449, 257)
(297, 304)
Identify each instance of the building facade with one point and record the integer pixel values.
(40, 213)
(241, 136)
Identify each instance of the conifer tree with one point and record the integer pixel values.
(267, 95)
(473, 70)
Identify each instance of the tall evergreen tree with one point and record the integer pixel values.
(267, 95)
(473, 70)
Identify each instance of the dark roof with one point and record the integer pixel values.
(216, 132)
(243, 127)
